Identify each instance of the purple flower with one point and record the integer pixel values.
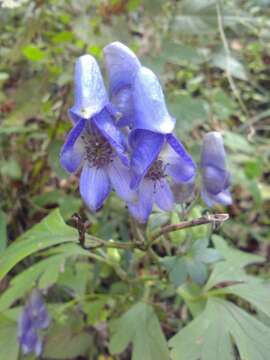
(122, 65)
(153, 130)
(215, 177)
(95, 144)
(90, 93)
(137, 94)
(33, 318)
(170, 172)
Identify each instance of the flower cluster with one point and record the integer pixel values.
(34, 317)
(123, 140)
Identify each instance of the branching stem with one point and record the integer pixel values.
(207, 219)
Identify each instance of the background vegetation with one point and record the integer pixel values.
(213, 59)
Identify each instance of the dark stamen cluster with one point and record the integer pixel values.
(98, 151)
(156, 171)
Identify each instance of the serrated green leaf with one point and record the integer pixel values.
(140, 326)
(50, 231)
(208, 337)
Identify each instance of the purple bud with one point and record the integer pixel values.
(215, 177)
(31, 342)
(33, 318)
(38, 311)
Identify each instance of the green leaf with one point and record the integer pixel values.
(3, 231)
(8, 339)
(208, 337)
(50, 231)
(254, 168)
(54, 159)
(34, 90)
(133, 5)
(62, 37)
(76, 277)
(229, 63)
(237, 142)
(12, 169)
(46, 271)
(232, 269)
(33, 53)
(63, 343)
(201, 253)
(257, 294)
(196, 17)
(177, 269)
(197, 270)
(226, 272)
(3, 76)
(223, 105)
(189, 112)
(96, 311)
(191, 293)
(140, 326)
(209, 256)
(235, 256)
(199, 17)
(178, 53)
(68, 204)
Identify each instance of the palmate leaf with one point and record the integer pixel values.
(139, 326)
(210, 335)
(232, 268)
(50, 231)
(256, 294)
(234, 256)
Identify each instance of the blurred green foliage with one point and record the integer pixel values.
(213, 60)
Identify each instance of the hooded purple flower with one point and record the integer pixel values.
(95, 143)
(138, 96)
(33, 318)
(153, 130)
(121, 65)
(215, 177)
(168, 174)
